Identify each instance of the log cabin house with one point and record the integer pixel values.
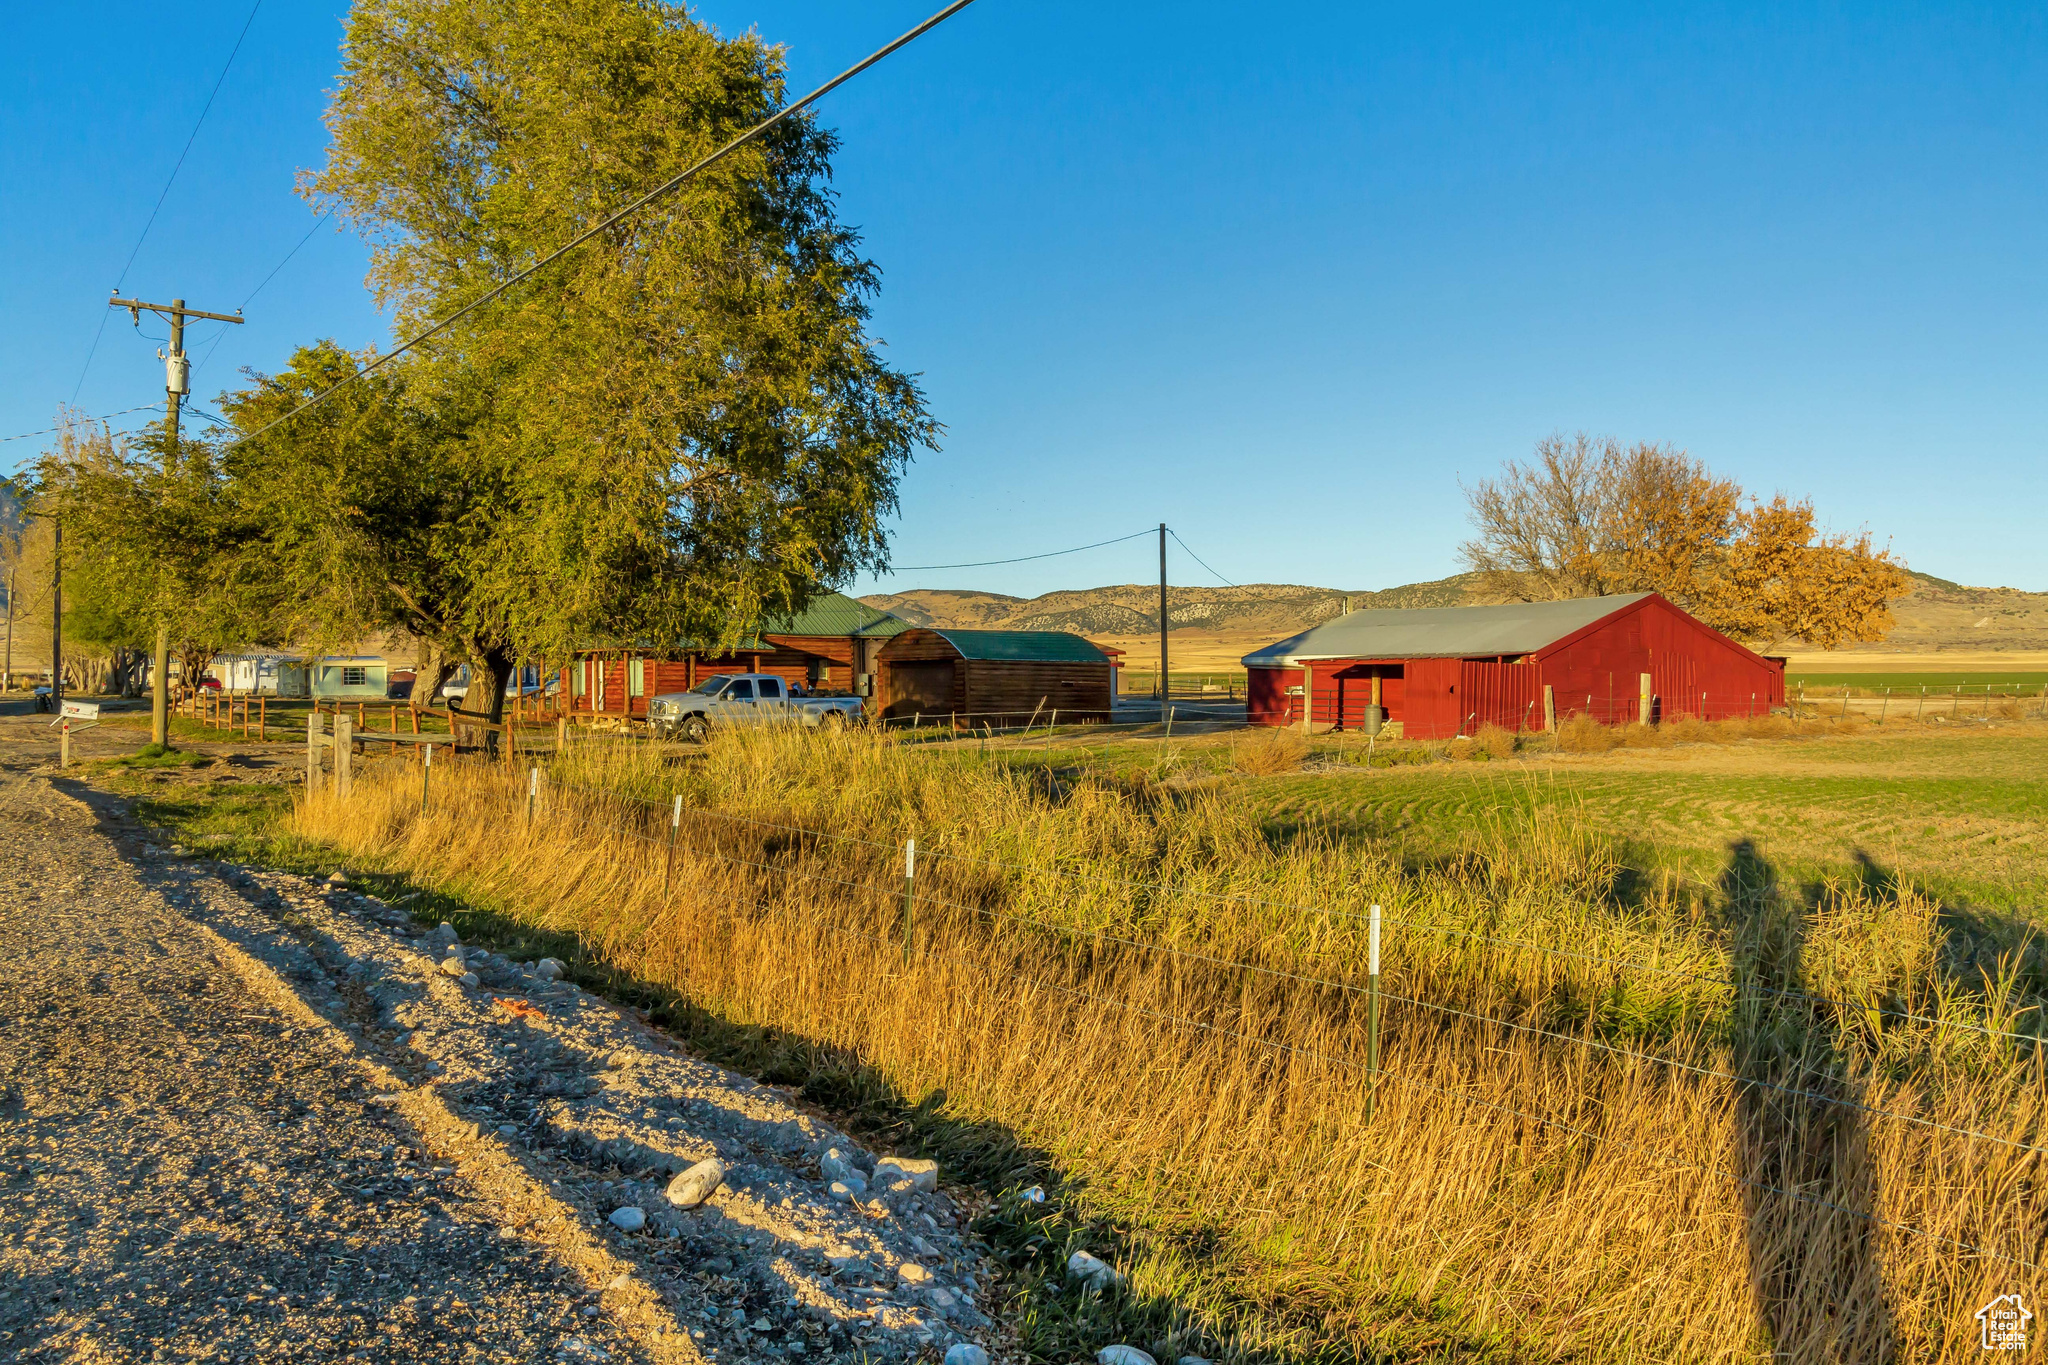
(831, 646)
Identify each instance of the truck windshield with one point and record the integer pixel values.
(710, 687)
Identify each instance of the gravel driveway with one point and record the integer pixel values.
(245, 1116)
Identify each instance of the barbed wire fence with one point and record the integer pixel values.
(905, 922)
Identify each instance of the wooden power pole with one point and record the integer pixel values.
(177, 383)
(1165, 678)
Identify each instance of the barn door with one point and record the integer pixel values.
(924, 685)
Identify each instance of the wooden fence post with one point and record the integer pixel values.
(1549, 709)
(314, 726)
(1643, 699)
(344, 740)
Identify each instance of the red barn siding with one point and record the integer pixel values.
(1694, 671)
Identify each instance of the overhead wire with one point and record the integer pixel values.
(1197, 558)
(1020, 559)
(251, 296)
(186, 151)
(666, 187)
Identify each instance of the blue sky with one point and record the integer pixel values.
(1277, 277)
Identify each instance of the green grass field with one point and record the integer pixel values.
(1963, 817)
(1973, 683)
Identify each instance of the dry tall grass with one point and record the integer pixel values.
(1514, 1195)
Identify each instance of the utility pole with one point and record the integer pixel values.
(56, 617)
(7, 671)
(1165, 678)
(177, 383)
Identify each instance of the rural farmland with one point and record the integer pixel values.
(724, 684)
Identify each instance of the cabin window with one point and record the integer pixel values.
(355, 677)
(636, 677)
(582, 678)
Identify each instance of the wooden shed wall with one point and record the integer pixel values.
(1011, 691)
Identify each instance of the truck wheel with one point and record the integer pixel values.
(695, 729)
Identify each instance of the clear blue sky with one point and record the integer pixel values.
(1276, 276)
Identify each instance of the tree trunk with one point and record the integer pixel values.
(432, 666)
(490, 673)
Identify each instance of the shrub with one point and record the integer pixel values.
(1268, 750)
(1583, 735)
(1492, 741)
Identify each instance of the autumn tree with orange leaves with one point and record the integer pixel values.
(1587, 517)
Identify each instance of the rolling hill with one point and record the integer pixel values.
(1210, 627)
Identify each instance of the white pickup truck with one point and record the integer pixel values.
(745, 699)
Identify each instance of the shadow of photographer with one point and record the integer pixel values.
(1809, 1191)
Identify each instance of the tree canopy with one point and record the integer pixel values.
(678, 427)
(1588, 517)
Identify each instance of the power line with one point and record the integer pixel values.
(197, 124)
(266, 280)
(102, 418)
(1197, 558)
(1020, 559)
(642, 202)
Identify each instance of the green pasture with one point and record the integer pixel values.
(1962, 817)
(2026, 682)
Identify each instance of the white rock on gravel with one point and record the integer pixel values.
(452, 966)
(842, 1191)
(966, 1353)
(923, 1174)
(839, 1164)
(910, 1272)
(470, 979)
(549, 968)
(695, 1185)
(629, 1219)
(1123, 1355)
(1097, 1275)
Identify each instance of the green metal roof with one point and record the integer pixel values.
(834, 613)
(1027, 646)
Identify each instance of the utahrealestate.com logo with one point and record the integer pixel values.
(2004, 1321)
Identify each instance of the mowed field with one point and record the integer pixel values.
(1958, 815)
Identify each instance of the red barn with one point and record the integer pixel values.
(1437, 672)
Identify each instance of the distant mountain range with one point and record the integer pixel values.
(1938, 614)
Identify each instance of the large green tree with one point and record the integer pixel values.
(681, 425)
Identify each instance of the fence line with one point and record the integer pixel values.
(1239, 898)
(1381, 1073)
(1232, 964)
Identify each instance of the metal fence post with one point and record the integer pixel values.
(909, 895)
(532, 791)
(1845, 702)
(1884, 706)
(426, 778)
(1372, 1014)
(675, 824)
(1922, 706)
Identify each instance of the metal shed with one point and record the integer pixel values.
(1436, 672)
(994, 677)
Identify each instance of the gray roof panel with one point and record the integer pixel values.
(1441, 632)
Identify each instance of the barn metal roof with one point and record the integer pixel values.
(1441, 632)
(1030, 646)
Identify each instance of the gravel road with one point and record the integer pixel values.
(244, 1115)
